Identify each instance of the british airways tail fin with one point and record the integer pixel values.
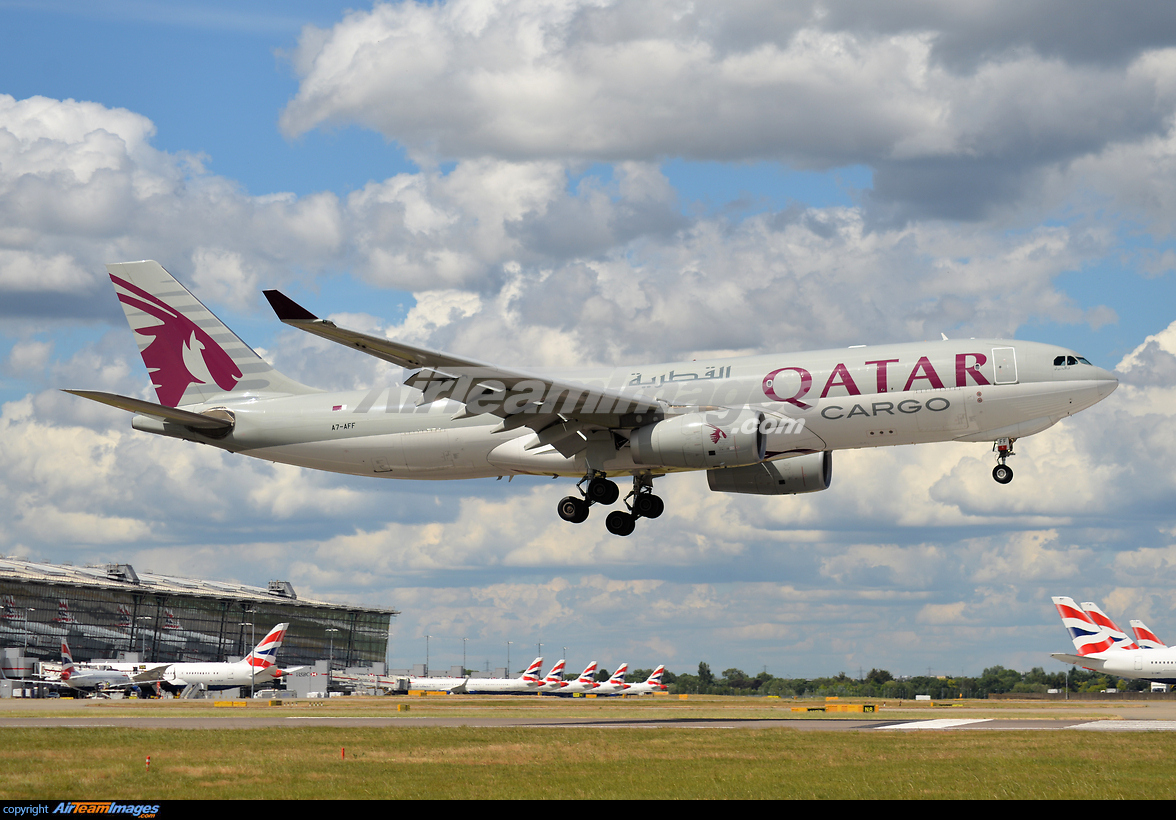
(533, 671)
(67, 664)
(1087, 636)
(1108, 627)
(557, 671)
(1145, 637)
(263, 655)
(192, 357)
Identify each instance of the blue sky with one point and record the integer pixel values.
(549, 184)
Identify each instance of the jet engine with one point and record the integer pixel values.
(709, 439)
(791, 476)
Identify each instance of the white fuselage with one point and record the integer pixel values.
(437, 684)
(97, 679)
(216, 675)
(501, 686)
(1158, 665)
(973, 390)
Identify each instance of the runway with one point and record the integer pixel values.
(279, 719)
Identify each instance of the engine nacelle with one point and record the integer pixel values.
(790, 476)
(711, 439)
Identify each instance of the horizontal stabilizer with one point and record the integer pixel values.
(158, 411)
(1085, 661)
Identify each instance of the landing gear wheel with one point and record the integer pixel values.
(620, 523)
(572, 509)
(648, 505)
(1002, 473)
(603, 491)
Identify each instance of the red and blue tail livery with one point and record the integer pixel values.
(1087, 635)
(262, 657)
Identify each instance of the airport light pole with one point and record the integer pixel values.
(463, 656)
(331, 652)
(427, 655)
(143, 638)
(26, 627)
(508, 643)
(253, 643)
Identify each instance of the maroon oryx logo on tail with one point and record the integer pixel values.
(179, 347)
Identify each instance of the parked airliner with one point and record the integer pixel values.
(649, 685)
(526, 683)
(763, 424)
(258, 667)
(90, 680)
(616, 684)
(1096, 649)
(581, 685)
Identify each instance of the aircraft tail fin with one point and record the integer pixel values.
(532, 672)
(263, 655)
(618, 677)
(191, 356)
(589, 673)
(67, 664)
(1121, 639)
(1087, 636)
(656, 677)
(1145, 637)
(557, 671)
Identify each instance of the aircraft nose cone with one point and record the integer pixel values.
(1107, 385)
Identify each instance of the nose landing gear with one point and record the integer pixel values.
(1003, 447)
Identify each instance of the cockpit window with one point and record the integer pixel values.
(1059, 361)
(1066, 361)
(1071, 360)
(1084, 361)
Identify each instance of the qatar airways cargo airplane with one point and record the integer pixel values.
(764, 424)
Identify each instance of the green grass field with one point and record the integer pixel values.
(405, 761)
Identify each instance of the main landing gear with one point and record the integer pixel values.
(601, 490)
(1003, 447)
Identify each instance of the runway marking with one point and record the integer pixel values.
(938, 723)
(1128, 726)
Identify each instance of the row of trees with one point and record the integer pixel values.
(879, 683)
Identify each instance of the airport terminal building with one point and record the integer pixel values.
(111, 610)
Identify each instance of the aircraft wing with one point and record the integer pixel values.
(150, 675)
(559, 410)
